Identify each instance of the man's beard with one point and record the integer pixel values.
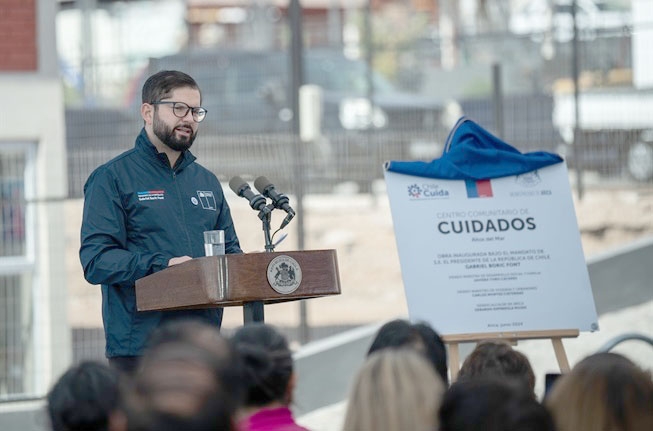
(167, 135)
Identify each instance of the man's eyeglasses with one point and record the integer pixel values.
(180, 109)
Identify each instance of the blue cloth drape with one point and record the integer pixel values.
(471, 152)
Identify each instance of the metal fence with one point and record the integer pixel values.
(402, 109)
(405, 113)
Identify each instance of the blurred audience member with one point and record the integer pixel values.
(176, 387)
(498, 359)
(83, 398)
(604, 391)
(396, 389)
(269, 379)
(490, 404)
(202, 335)
(420, 336)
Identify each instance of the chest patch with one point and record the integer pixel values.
(207, 199)
(151, 195)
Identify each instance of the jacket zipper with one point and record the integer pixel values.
(184, 226)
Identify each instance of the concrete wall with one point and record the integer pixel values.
(24, 416)
(326, 367)
(622, 277)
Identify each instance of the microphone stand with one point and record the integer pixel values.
(253, 311)
(266, 217)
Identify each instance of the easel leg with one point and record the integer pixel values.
(454, 361)
(561, 356)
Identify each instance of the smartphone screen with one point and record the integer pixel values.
(549, 380)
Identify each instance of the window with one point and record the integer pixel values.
(16, 272)
(12, 203)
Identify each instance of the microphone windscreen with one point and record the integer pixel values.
(237, 184)
(262, 183)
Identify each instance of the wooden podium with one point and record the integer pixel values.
(241, 279)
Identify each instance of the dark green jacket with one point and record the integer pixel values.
(138, 213)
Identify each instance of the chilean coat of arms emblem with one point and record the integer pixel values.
(284, 274)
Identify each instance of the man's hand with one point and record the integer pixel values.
(178, 260)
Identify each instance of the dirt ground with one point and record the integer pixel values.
(360, 228)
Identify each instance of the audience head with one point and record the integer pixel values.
(178, 387)
(268, 364)
(420, 336)
(498, 359)
(189, 378)
(604, 391)
(192, 331)
(83, 398)
(201, 335)
(492, 405)
(396, 389)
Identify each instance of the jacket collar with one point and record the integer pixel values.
(144, 145)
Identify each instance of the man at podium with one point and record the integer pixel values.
(146, 210)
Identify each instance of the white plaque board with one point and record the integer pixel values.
(493, 255)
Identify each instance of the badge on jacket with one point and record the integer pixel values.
(207, 199)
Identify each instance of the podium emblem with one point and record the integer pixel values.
(284, 274)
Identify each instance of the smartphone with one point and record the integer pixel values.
(549, 380)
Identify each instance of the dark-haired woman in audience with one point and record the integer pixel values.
(497, 358)
(83, 398)
(400, 333)
(493, 404)
(269, 379)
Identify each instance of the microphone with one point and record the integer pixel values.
(242, 189)
(286, 220)
(281, 201)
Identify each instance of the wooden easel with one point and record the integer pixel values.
(555, 336)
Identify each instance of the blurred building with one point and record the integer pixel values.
(34, 334)
(226, 21)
